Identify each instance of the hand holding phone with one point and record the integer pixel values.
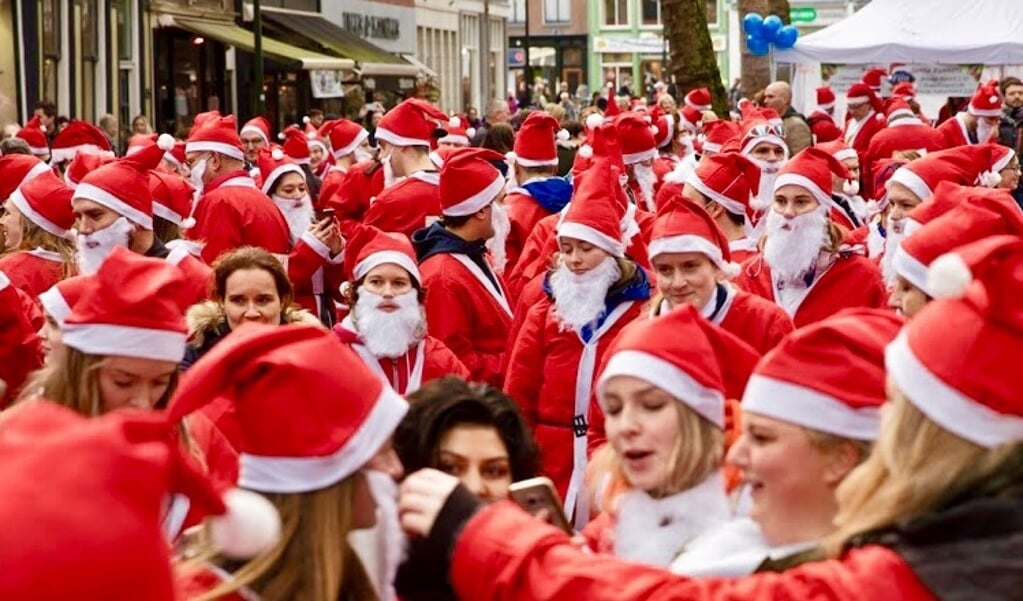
(539, 497)
(325, 214)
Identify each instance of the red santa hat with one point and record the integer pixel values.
(34, 135)
(289, 447)
(719, 132)
(896, 108)
(126, 464)
(986, 101)
(756, 128)
(59, 298)
(176, 155)
(123, 185)
(46, 202)
(811, 170)
(456, 133)
(259, 126)
(964, 165)
(861, 93)
(414, 122)
(873, 78)
(437, 157)
(138, 142)
(216, 134)
(172, 198)
(636, 138)
(295, 144)
(698, 99)
(955, 360)
(313, 139)
(979, 214)
(828, 376)
(135, 307)
(535, 142)
(838, 149)
(369, 247)
(275, 163)
(665, 124)
(946, 196)
(612, 110)
(78, 136)
(83, 164)
(594, 214)
(684, 227)
(904, 90)
(17, 169)
(690, 119)
(469, 181)
(884, 169)
(601, 141)
(202, 119)
(344, 135)
(825, 98)
(699, 364)
(729, 179)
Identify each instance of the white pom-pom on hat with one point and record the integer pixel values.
(759, 205)
(990, 179)
(454, 122)
(731, 270)
(250, 526)
(510, 156)
(993, 99)
(277, 154)
(610, 85)
(281, 136)
(311, 135)
(851, 187)
(471, 132)
(165, 142)
(306, 119)
(563, 134)
(948, 276)
(594, 120)
(585, 151)
(187, 224)
(653, 129)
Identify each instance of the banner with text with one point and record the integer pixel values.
(937, 80)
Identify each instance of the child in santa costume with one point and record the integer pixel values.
(406, 134)
(664, 397)
(804, 267)
(125, 465)
(39, 248)
(231, 211)
(814, 400)
(467, 307)
(387, 326)
(316, 426)
(591, 294)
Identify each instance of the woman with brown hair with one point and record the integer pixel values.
(249, 285)
(316, 424)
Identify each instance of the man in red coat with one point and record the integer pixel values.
(466, 305)
(231, 211)
(347, 140)
(904, 132)
(404, 135)
(864, 122)
(639, 149)
(979, 123)
(806, 277)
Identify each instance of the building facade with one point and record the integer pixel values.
(556, 42)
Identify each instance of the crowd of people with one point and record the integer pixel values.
(764, 357)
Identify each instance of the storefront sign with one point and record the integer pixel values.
(391, 26)
(644, 45)
(367, 26)
(326, 84)
(937, 80)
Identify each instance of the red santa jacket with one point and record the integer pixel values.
(550, 373)
(199, 274)
(20, 346)
(743, 249)
(954, 132)
(232, 213)
(33, 271)
(527, 205)
(464, 310)
(852, 280)
(349, 192)
(410, 205)
(504, 553)
(428, 360)
(315, 274)
(902, 134)
(858, 135)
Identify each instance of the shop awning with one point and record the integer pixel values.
(371, 60)
(239, 37)
(423, 67)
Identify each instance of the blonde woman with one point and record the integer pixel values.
(933, 511)
(664, 401)
(316, 427)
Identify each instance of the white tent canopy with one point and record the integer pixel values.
(988, 32)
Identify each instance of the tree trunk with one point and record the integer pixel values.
(693, 62)
(756, 70)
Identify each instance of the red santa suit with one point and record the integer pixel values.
(232, 213)
(742, 249)
(428, 360)
(199, 274)
(527, 206)
(848, 280)
(20, 346)
(954, 132)
(33, 271)
(350, 193)
(410, 205)
(316, 276)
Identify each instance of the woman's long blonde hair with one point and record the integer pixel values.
(312, 561)
(33, 237)
(698, 452)
(916, 467)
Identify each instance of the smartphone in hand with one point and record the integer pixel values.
(325, 214)
(538, 496)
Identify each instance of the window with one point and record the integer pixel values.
(556, 11)
(650, 12)
(90, 30)
(616, 12)
(518, 11)
(306, 5)
(712, 12)
(125, 39)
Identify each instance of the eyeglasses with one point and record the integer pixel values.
(760, 131)
(1015, 168)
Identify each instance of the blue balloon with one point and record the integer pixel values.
(753, 24)
(757, 46)
(786, 37)
(772, 24)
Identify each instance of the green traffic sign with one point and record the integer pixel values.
(803, 14)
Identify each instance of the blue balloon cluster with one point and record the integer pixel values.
(761, 32)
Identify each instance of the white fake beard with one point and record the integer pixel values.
(388, 334)
(579, 298)
(298, 213)
(496, 244)
(895, 231)
(768, 175)
(791, 252)
(195, 177)
(94, 248)
(362, 155)
(984, 131)
(393, 547)
(646, 178)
